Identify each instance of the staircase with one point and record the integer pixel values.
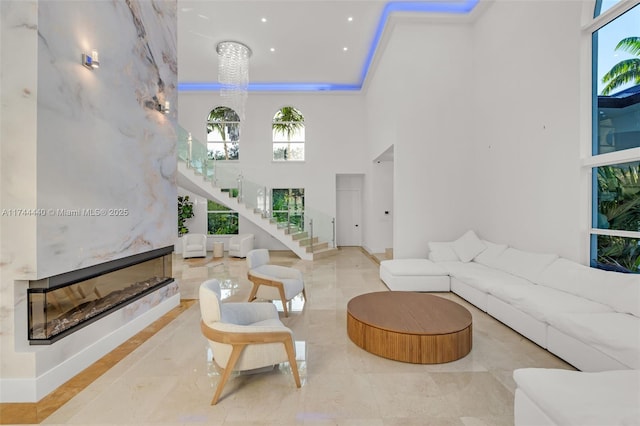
(299, 242)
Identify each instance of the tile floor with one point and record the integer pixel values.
(169, 378)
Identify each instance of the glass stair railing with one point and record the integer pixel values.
(312, 229)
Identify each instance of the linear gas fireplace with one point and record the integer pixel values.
(62, 304)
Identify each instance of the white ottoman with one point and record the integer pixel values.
(414, 275)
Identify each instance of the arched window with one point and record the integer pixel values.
(615, 158)
(288, 135)
(223, 134)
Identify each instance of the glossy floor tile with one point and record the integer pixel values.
(170, 379)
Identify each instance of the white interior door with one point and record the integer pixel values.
(349, 217)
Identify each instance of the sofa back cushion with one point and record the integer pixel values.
(523, 264)
(490, 255)
(619, 291)
(468, 246)
(442, 252)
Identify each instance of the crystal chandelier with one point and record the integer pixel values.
(233, 73)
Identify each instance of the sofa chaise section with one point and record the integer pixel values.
(414, 275)
(572, 398)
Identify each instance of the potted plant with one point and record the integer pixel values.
(185, 211)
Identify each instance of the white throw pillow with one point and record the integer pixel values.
(468, 246)
(525, 264)
(442, 252)
(489, 256)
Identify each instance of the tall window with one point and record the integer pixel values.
(615, 160)
(223, 134)
(221, 220)
(288, 206)
(288, 135)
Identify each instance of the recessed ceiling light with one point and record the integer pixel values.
(264, 19)
(350, 19)
(203, 17)
(344, 49)
(273, 49)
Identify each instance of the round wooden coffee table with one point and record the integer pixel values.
(410, 327)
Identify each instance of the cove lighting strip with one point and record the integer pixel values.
(460, 7)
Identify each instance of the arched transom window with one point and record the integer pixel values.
(223, 134)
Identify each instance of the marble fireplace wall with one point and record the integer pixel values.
(88, 162)
(120, 153)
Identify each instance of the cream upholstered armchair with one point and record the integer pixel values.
(194, 245)
(272, 282)
(240, 245)
(243, 336)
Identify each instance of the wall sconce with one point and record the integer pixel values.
(154, 103)
(166, 108)
(91, 61)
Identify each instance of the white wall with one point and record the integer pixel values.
(419, 101)
(485, 122)
(334, 144)
(526, 119)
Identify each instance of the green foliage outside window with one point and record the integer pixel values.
(619, 209)
(221, 220)
(288, 206)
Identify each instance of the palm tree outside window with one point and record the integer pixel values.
(223, 134)
(288, 135)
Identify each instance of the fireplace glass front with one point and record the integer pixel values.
(59, 309)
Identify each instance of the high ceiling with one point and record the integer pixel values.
(292, 41)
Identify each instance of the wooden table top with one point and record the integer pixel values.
(409, 312)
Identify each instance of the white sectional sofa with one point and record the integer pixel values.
(586, 316)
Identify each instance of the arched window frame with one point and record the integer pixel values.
(288, 134)
(607, 239)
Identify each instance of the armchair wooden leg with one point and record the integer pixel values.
(304, 294)
(235, 355)
(284, 300)
(254, 291)
(288, 344)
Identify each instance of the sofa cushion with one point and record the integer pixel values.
(582, 399)
(543, 302)
(481, 277)
(442, 252)
(468, 246)
(614, 334)
(412, 267)
(524, 264)
(617, 290)
(489, 256)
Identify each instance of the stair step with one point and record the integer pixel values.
(307, 241)
(299, 235)
(324, 253)
(316, 247)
